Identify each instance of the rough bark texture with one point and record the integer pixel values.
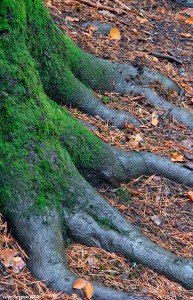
(46, 155)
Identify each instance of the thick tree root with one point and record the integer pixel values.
(68, 75)
(43, 239)
(118, 166)
(130, 80)
(84, 99)
(94, 222)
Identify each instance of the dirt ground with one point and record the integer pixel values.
(159, 35)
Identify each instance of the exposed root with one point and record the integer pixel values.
(43, 238)
(84, 99)
(118, 166)
(125, 78)
(96, 223)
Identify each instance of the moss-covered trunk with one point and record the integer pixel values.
(45, 153)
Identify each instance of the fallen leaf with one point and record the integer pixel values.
(115, 34)
(154, 119)
(134, 31)
(188, 11)
(93, 28)
(175, 156)
(156, 219)
(155, 59)
(68, 18)
(92, 261)
(190, 195)
(185, 34)
(162, 10)
(88, 290)
(180, 17)
(142, 20)
(7, 256)
(131, 127)
(136, 140)
(17, 263)
(122, 208)
(189, 21)
(79, 284)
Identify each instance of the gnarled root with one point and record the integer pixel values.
(94, 222)
(43, 239)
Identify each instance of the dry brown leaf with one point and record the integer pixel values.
(190, 195)
(115, 34)
(88, 290)
(68, 18)
(122, 208)
(188, 11)
(131, 127)
(180, 17)
(175, 156)
(155, 59)
(142, 20)
(162, 10)
(189, 21)
(185, 34)
(79, 284)
(18, 263)
(135, 31)
(93, 28)
(136, 140)
(154, 119)
(7, 256)
(156, 219)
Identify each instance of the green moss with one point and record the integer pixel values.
(104, 222)
(39, 141)
(123, 194)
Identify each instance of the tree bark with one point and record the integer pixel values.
(46, 155)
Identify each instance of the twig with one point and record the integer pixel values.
(122, 4)
(169, 57)
(100, 6)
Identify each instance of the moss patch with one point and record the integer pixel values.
(39, 141)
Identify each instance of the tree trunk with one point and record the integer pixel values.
(46, 156)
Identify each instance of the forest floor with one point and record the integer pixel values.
(159, 207)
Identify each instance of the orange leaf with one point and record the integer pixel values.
(189, 21)
(175, 156)
(79, 284)
(122, 207)
(154, 119)
(185, 34)
(88, 290)
(115, 34)
(131, 127)
(162, 10)
(135, 31)
(7, 255)
(190, 195)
